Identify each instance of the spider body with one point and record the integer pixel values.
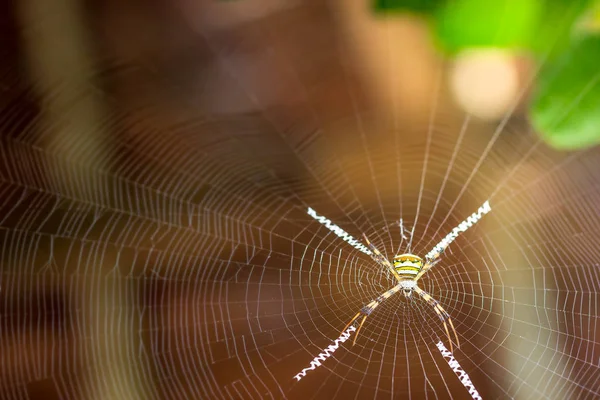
(408, 267)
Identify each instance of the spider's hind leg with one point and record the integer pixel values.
(350, 323)
(369, 308)
(441, 313)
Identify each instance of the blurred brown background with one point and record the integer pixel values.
(157, 161)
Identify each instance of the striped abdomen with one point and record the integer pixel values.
(408, 265)
(408, 272)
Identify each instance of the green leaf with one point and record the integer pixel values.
(416, 6)
(554, 31)
(465, 24)
(566, 105)
(542, 27)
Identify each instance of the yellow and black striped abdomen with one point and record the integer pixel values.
(408, 265)
(408, 272)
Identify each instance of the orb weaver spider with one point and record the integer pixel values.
(409, 268)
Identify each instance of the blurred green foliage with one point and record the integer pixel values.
(476, 23)
(414, 6)
(542, 27)
(566, 106)
(554, 30)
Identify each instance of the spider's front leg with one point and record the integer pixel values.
(441, 313)
(380, 258)
(369, 308)
(433, 256)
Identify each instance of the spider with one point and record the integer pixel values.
(409, 268)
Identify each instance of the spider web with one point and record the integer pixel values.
(154, 245)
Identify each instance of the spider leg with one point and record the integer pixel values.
(433, 256)
(359, 328)
(426, 267)
(441, 313)
(380, 258)
(369, 308)
(351, 321)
